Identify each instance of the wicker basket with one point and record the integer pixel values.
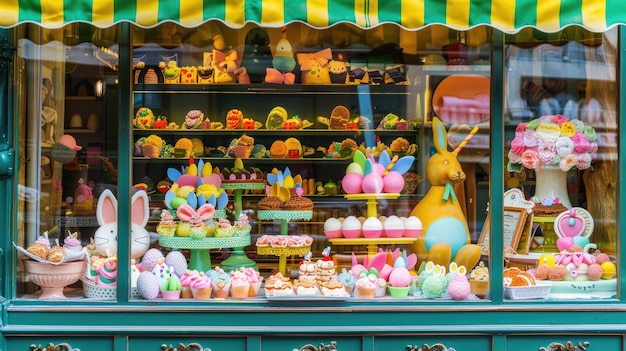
(93, 291)
(527, 292)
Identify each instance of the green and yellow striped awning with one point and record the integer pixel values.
(506, 15)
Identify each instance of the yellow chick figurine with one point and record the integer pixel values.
(283, 63)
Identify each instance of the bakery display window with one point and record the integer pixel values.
(68, 147)
(561, 164)
(300, 158)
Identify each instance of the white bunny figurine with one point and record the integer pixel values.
(105, 238)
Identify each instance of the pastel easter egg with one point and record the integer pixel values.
(447, 230)
(394, 227)
(372, 228)
(148, 285)
(354, 168)
(412, 227)
(351, 227)
(393, 182)
(177, 202)
(372, 183)
(332, 228)
(351, 183)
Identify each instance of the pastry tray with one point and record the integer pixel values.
(70, 256)
(295, 299)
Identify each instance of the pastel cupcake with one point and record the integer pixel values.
(224, 228)
(167, 226)
(255, 279)
(239, 285)
(186, 280)
(220, 282)
(197, 227)
(365, 286)
(201, 287)
(242, 226)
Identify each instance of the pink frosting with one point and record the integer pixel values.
(367, 282)
(189, 277)
(252, 275)
(44, 241)
(223, 223)
(576, 258)
(238, 278)
(201, 283)
(196, 220)
(166, 218)
(108, 273)
(83, 192)
(242, 222)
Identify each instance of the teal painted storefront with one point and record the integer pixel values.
(496, 324)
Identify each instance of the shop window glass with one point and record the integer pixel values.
(67, 131)
(561, 134)
(295, 105)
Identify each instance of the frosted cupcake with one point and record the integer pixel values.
(220, 282)
(306, 287)
(365, 286)
(72, 244)
(83, 195)
(167, 226)
(201, 287)
(241, 226)
(186, 280)
(255, 279)
(224, 228)
(479, 280)
(197, 227)
(239, 285)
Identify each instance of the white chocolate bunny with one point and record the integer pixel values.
(105, 238)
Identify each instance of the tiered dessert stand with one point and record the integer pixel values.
(284, 216)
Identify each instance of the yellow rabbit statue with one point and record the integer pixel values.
(445, 236)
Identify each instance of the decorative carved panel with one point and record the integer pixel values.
(435, 347)
(569, 346)
(182, 347)
(52, 347)
(308, 347)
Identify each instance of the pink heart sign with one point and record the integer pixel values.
(574, 223)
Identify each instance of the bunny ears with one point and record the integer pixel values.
(185, 212)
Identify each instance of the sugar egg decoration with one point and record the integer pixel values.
(393, 226)
(351, 183)
(372, 228)
(372, 183)
(393, 182)
(332, 228)
(351, 227)
(412, 227)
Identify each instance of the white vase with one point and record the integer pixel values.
(551, 182)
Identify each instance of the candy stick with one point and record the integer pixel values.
(390, 165)
(466, 140)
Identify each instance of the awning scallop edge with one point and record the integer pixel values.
(508, 16)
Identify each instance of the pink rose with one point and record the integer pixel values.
(581, 143)
(530, 159)
(584, 161)
(514, 158)
(517, 145)
(546, 151)
(521, 128)
(530, 139)
(559, 119)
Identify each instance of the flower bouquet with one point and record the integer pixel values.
(553, 140)
(552, 145)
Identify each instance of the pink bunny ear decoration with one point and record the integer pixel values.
(185, 212)
(106, 210)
